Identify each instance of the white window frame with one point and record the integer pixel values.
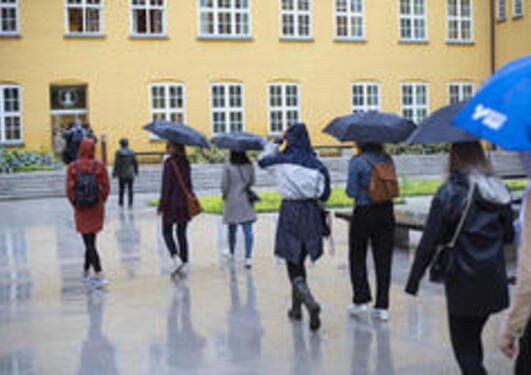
(296, 13)
(233, 11)
(461, 85)
(147, 7)
(501, 10)
(518, 8)
(84, 6)
(365, 107)
(284, 108)
(227, 109)
(459, 18)
(412, 17)
(3, 115)
(349, 14)
(167, 111)
(17, 11)
(415, 106)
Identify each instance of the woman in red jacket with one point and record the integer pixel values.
(88, 173)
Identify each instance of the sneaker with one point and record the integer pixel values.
(381, 314)
(356, 309)
(99, 282)
(177, 264)
(248, 263)
(184, 269)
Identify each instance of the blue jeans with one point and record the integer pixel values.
(249, 238)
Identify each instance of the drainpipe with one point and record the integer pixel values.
(492, 36)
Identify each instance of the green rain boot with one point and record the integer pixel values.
(295, 313)
(305, 296)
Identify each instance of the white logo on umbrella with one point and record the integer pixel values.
(491, 118)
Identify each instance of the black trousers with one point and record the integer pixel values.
(374, 224)
(91, 254)
(465, 334)
(122, 184)
(297, 269)
(523, 362)
(167, 232)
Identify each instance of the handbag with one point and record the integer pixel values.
(252, 197)
(443, 265)
(194, 207)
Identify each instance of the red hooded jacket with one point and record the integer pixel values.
(90, 219)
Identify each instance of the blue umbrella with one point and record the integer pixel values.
(438, 128)
(370, 127)
(177, 133)
(239, 141)
(500, 111)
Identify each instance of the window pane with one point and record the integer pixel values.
(93, 20)
(156, 21)
(75, 20)
(139, 21)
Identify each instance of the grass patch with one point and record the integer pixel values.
(423, 187)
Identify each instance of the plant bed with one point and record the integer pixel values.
(12, 161)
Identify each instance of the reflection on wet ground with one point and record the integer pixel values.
(221, 319)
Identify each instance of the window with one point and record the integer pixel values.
(415, 101)
(84, 17)
(296, 18)
(517, 9)
(167, 102)
(148, 17)
(460, 92)
(227, 107)
(10, 115)
(413, 20)
(349, 19)
(459, 20)
(365, 97)
(224, 18)
(501, 10)
(284, 106)
(8, 17)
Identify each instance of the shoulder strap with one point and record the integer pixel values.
(179, 177)
(364, 157)
(465, 214)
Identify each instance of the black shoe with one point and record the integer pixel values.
(295, 313)
(315, 320)
(303, 293)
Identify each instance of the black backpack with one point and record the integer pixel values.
(86, 192)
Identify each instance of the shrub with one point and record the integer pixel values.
(20, 161)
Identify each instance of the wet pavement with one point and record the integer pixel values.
(221, 319)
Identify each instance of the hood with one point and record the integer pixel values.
(491, 189)
(86, 149)
(298, 140)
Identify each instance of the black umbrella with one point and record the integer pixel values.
(438, 128)
(177, 133)
(239, 141)
(371, 127)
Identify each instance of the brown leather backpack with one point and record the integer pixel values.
(383, 184)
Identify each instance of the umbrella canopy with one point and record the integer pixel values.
(239, 141)
(499, 112)
(177, 133)
(370, 127)
(438, 128)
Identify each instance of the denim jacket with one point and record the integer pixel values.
(359, 173)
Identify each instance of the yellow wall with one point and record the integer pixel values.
(513, 36)
(119, 69)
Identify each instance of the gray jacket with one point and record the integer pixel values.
(234, 181)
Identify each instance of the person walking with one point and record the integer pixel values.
(302, 182)
(470, 215)
(518, 327)
(372, 221)
(73, 138)
(173, 206)
(125, 169)
(87, 189)
(237, 178)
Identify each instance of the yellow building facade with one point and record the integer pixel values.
(221, 65)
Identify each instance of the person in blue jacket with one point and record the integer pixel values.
(302, 182)
(374, 222)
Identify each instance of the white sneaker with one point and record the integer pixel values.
(381, 314)
(356, 309)
(177, 264)
(85, 277)
(99, 282)
(184, 269)
(248, 263)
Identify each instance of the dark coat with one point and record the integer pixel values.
(172, 201)
(478, 286)
(89, 219)
(125, 164)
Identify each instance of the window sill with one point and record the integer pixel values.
(84, 36)
(500, 20)
(296, 39)
(225, 38)
(518, 17)
(148, 37)
(349, 40)
(10, 35)
(419, 42)
(461, 42)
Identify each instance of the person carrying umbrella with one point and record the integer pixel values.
(302, 181)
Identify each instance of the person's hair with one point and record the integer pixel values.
(124, 142)
(239, 158)
(468, 157)
(365, 147)
(175, 148)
